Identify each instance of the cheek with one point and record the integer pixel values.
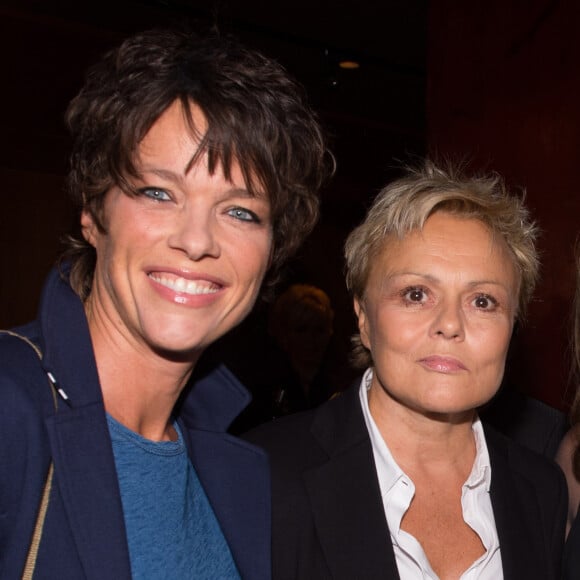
(491, 348)
(395, 332)
(264, 251)
(251, 260)
(254, 266)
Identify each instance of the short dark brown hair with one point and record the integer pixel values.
(257, 116)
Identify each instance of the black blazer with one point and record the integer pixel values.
(328, 516)
(571, 564)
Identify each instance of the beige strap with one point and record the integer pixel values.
(39, 354)
(38, 527)
(26, 340)
(36, 537)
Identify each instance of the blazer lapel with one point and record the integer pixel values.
(516, 516)
(84, 465)
(86, 478)
(345, 495)
(234, 475)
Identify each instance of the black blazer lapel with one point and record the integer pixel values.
(517, 518)
(345, 495)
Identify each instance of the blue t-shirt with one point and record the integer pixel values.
(172, 530)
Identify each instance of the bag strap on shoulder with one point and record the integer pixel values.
(41, 516)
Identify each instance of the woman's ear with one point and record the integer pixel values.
(359, 310)
(89, 228)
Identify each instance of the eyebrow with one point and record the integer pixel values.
(430, 278)
(165, 174)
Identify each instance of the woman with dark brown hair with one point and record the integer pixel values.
(195, 168)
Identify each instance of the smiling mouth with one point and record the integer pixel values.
(193, 287)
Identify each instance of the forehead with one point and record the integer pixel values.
(173, 143)
(448, 244)
(173, 139)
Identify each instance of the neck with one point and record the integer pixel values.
(435, 442)
(140, 386)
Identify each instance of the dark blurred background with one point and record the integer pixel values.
(494, 83)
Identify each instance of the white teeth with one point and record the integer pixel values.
(185, 286)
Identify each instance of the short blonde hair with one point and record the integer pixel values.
(405, 205)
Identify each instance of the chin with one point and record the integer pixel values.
(178, 343)
(178, 351)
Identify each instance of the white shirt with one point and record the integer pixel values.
(397, 491)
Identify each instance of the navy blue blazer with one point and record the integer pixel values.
(328, 515)
(84, 534)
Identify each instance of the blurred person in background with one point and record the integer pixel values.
(301, 323)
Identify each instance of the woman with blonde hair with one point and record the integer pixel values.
(398, 478)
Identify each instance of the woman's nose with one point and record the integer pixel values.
(195, 233)
(449, 320)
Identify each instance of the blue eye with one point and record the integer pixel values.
(154, 193)
(244, 215)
